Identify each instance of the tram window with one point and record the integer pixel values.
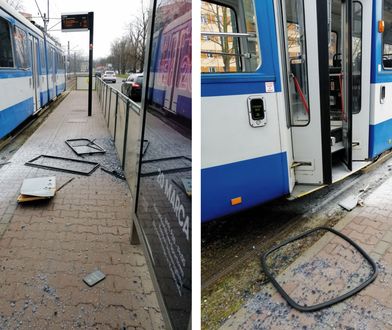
(387, 35)
(6, 58)
(297, 62)
(50, 60)
(357, 56)
(231, 45)
(42, 58)
(21, 51)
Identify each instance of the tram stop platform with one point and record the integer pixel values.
(328, 268)
(48, 247)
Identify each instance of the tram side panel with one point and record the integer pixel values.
(20, 91)
(15, 76)
(244, 160)
(380, 129)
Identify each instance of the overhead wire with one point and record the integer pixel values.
(39, 10)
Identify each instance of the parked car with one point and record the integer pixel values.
(132, 86)
(109, 76)
(98, 73)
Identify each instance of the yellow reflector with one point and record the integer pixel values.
(236, 201)
(381, 26)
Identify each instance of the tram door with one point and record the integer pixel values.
(361, 62)
(347, 109)
(177, 94)
(52, 73)
(171, 52)
(347, 78)
(320, 89)
(303, 92)
(35, 73)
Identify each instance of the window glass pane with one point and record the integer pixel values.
(42, 58)
(21, 51)
(387, 35)
(6, 58)
(251, 44)
(228, 39)
(332, 47)
(297, 61)
(357, 56)
(164, 195)
(50, 60)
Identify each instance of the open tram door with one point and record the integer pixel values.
(324, 75)
(35, 81)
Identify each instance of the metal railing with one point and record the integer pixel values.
(122, 116)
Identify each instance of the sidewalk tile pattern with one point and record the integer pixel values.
(47, 248)
(329, 268)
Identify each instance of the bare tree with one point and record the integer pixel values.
(76, 60)
(118, 55)
(136, 38)
(128, 52)
(17, 4)
(220, 20)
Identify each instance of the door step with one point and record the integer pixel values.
(340, 172)
(301, 190)
(336, 146)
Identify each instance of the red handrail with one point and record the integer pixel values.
(301, 94)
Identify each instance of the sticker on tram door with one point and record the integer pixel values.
(269, 87)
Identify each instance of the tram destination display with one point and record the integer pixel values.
(75, 22)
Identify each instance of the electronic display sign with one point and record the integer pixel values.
(74, 22)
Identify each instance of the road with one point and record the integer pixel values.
(117, 85)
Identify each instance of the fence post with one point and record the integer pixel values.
(101, 92)
(110, 104)
(125, 135)
(103, 97)
(106, 99)
(111, 108)
(115, 120)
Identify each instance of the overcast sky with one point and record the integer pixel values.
(110, 21)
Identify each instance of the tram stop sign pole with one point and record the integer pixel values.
(82, 22)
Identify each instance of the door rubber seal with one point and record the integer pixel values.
(328, 303)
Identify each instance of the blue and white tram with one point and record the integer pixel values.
(32, 71)
(170, 82)
(296, 95)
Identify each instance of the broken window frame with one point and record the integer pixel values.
(327, 303)
(62, 169)
(91, 144)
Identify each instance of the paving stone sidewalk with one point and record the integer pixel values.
(331, 267)
(47, 248)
